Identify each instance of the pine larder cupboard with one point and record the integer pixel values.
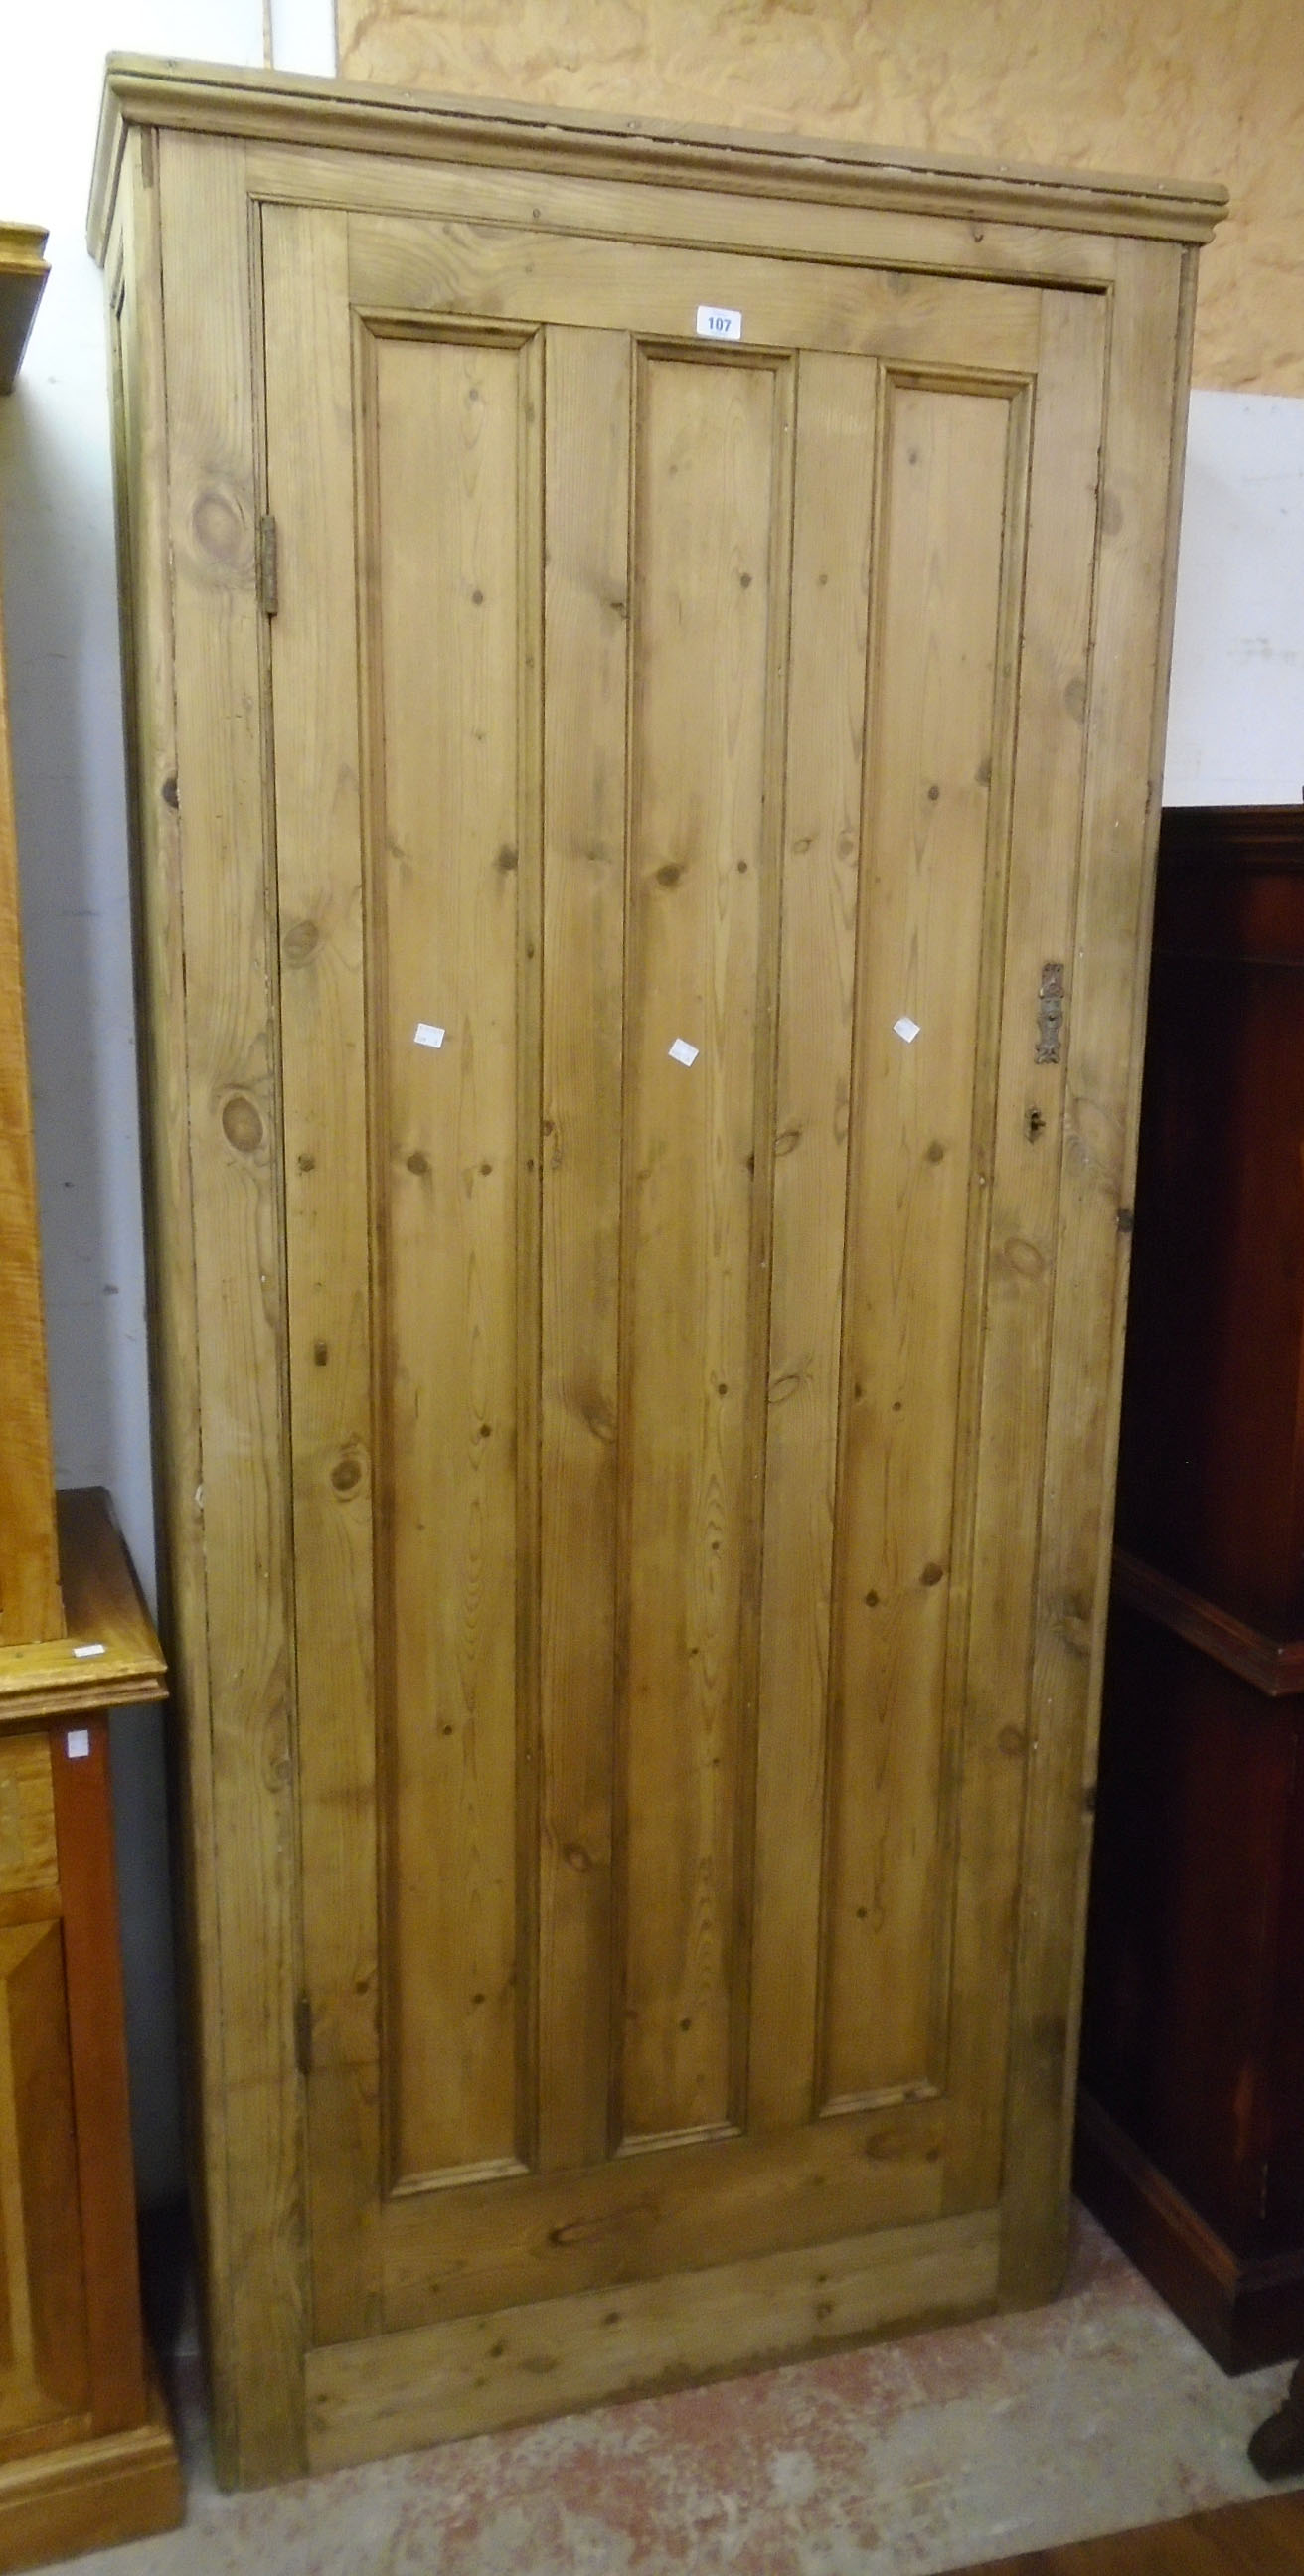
(647, 659)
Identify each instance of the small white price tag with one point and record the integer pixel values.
(718, 322)
(429, 1035)
(906, 1028)
(682, 1052)
(77, 1743)
(80, 1651)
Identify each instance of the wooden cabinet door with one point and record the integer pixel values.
(678, 772)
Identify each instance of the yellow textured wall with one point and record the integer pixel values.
(1188, 89)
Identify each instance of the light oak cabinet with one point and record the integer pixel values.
(648, 658)
(86, 2456)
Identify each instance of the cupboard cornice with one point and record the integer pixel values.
(275, 107)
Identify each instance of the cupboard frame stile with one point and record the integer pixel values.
(203, 183)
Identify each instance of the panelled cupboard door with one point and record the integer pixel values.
(675, 819)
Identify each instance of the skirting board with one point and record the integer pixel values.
(91, 2495)
(477, 2374)
(1246, 2314)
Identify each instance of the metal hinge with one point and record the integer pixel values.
(303, 2035)
(269, 598)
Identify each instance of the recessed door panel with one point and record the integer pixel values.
(449, 687)
(710, 487)
(921, 1097)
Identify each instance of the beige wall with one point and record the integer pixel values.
(1192, 89)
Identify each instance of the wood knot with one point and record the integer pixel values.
(346, 1475)
(300, 942)
(221, 533)
(242, 1125)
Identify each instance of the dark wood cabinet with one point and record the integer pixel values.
(1191, 2134)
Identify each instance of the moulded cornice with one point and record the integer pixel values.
(276, 107)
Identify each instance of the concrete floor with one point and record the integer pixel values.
(1091, 2415)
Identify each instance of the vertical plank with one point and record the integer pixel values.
(586, 629)
(1021, 1161)
(97, 2044)
(232, 1117)
(30, 1604)
(825, 760)
(319, 871)
(153, 814)
(443, 896)
(922, 920)
(1139, 500)
(708, 587)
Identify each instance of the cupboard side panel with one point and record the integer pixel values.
(140, 459)
(318, 831)
(447, 598)
(1149, 360)
(707, 480)
(836, 419)
(915, 1098)
(585, 687)
(233, 1117)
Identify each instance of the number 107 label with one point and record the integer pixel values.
(717, 322)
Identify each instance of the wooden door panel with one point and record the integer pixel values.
(684, 2207)
(418, 264)
(650, 1877)
(830, 594)
(586, 627)
(454, 551)
(709, 547)
(916, 1113)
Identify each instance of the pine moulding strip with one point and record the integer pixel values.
(199, 99)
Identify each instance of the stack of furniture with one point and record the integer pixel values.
(1191, 2143)
(649, 657)
(86, 2457)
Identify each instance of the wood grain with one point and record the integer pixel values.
(554, 277)
(447, 536)
(439, 2381)
(105, 1614)
(187, 98)
(831, 578)
(97, 2045)
(586, 679)
(913, 1117)
(1039, 816)
(546, 1230)
(1140, 484)
(315, 685)
(232, 1113)
(698, 971)
(91, 2493)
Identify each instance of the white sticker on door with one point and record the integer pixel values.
(428, 1034)
(682, 1052)
(718, 322)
